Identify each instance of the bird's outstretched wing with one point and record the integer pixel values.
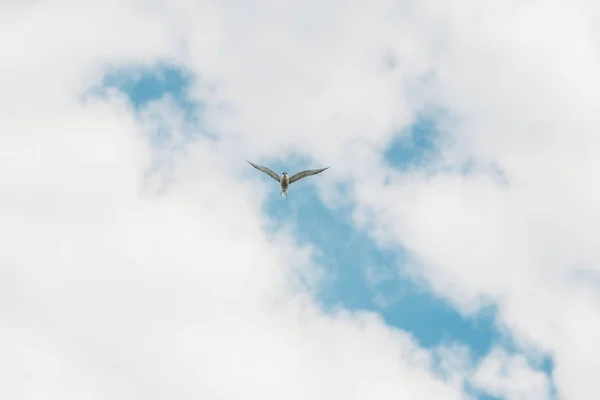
(304, 174)
(266, 171)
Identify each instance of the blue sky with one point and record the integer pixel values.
(347, 254)
(483, 196)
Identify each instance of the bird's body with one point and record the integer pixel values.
(285, 183)
(284, 180)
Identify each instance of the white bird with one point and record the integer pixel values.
(284, 180)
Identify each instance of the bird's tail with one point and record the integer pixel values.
(284, 194)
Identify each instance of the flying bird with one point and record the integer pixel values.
(284, 180)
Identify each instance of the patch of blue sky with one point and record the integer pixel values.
(148, 84)
(361, 276)
(419, 147)
(143, 85)
(358, 274)
(416, 145)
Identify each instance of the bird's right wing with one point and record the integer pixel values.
(266, 171)
(304, 174)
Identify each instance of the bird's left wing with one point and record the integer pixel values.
(304, 174)
(266, 171)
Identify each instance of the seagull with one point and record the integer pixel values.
(284, 180)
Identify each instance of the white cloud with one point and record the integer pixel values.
(118, 292)
(114, 290)
(510, 377)
(108, 271)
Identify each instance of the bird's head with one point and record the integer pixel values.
(284, 174)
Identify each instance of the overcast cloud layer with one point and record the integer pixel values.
(131, 270)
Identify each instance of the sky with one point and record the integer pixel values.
(448, 252)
